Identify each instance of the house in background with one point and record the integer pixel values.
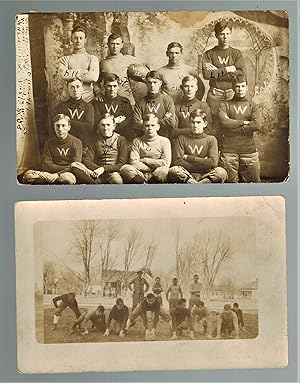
(249, 291)
(223, 292)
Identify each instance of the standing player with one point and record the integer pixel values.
(58, 154)
(220, 65)
(173, 73)
(189, 103)
(195, 157)
(181, 320)
(161, 105)
(149, 303)
(227, 323)
(150, 155)
(117, 319)
(65, 300)
(139, 286)
(79, 65)
(80, 112)
(157, 290)
(240, 316)
(95, 315)
(195, 291)
(116, 105)
(105, 156)
(174, 294)
(118, 63)
(240, 118)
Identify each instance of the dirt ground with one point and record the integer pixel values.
(136, 333)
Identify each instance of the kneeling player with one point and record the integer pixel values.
(196, 156)
(149, 303)
(150, 156)
(58, 154)
(227, 323)
(181, 320)
(65, 300)
(105, 156)
(95, 315)
(199, 314)
(117, 319)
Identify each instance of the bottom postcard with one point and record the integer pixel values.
(151, 284)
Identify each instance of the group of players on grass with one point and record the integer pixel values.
(150, 309)
(103, 135)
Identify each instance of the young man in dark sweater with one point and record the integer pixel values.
(117, 319)
(94, 315)
(240, 118)
(240, 316)
(58, 154)
(161, 105)
(189, 103)
(81, 113)
(181, 320)
(65, 300)
(220, 65)
(116, 105)
(105, 156)
(195, 157)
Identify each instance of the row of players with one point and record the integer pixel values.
(101, 155)
(171, 96)
(227, 323)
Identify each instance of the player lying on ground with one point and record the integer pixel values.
(95, 315)
(181, 320)
(117, 319)
(65, 300)
(149, 303)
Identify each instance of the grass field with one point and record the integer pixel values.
(136, 333)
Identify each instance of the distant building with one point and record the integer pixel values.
(249, 291)
(222, 292)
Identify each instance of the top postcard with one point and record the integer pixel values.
(152, 97)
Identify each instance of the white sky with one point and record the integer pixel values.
(54, 239)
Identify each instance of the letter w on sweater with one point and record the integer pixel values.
(196, 149)
(153, 108)
(75, 112)
(223, 60)
(108, 108)
(239, 109)
(63, 151)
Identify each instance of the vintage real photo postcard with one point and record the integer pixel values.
(155, 284)
(152, 97)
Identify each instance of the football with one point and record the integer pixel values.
(137, 72)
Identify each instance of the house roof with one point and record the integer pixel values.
(250, 286)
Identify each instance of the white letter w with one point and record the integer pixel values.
(196, 149)
(223, 60)
(153, 108)
(63, 151)
(240, 109)
(75, 112)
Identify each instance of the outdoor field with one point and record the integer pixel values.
(135, 333)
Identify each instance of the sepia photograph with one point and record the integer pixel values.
(206, 275)
(194, 97)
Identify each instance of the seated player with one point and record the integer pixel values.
(65, 300)
(161, 105)
(175, 70)
(81, 113)
(240, 118)
(199, 314)
(116, 105)
(227, 323)
(58, 154)
(150, 155)
(174, 294)
(181, 320)
(149, 303)
(79, 65)
(240, 316)
(157, 290)
(117, 319)
(95, 315)
(105, 156)
(195, 157)
(189, 103)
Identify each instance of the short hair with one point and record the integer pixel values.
(150, 296)
(72, 80)
(100, 308)
(106, 115)
(201, 303)
(189, 77)
(149, 116)
(140, 272)
(114, 36)
(174, 44)
(198, 113)
(238, 79)
(175, 279)
(157, 278)
(221, 25)
(181, 301)
(109, 77)
(235, 305)
(119, 301)
(227, 307)
(79, 28)
(61, 116)
(154, 74)
(196, 275)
